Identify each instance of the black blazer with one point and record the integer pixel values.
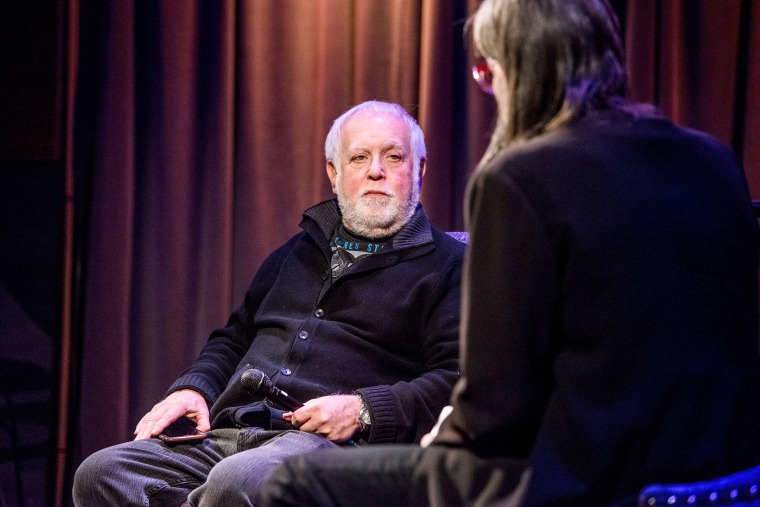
(609, 320)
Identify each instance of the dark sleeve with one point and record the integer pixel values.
(227, 346)
(508, 305)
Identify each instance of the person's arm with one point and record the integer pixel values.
(508, 310)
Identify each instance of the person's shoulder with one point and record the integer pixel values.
(285, 248)
(698, 144)
(598, 134)
(647, 118)
(708, 140)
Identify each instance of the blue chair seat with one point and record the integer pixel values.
(741, 489)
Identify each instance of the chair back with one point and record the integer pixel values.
(458, 235)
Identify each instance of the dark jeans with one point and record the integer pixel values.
(392, 475)
(225, 469)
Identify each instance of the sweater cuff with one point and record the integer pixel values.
(196, 383)
(382, 412)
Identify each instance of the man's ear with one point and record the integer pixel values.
(332, 174)
(423, 166)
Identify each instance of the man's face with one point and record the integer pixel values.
(376, 186)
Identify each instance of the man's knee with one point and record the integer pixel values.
(92, 476)
(233, 481)
(132, 473)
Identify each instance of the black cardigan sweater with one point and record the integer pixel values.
(387, 328)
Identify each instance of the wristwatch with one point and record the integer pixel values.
(364, 418)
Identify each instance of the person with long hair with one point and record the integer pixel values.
(609, 321)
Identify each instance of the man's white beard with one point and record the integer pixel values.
(377, 217)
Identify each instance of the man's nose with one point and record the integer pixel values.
(376, 169)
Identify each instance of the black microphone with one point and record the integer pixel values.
(257, 382)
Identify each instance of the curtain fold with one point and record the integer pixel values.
(158, 263)
(699, 61)
(200, 125)
(747, 109)
(107, 322)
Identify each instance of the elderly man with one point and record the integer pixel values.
(357, 315)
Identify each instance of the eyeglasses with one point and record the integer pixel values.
(482, 75)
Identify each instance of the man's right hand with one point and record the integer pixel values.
(186, 403)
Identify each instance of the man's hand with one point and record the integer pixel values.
(186, 403)
(335, 417)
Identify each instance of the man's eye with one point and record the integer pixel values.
(395, 157)
(358, 158)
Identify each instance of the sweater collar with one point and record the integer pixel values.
(320, 222)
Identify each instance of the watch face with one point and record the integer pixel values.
(364, 413)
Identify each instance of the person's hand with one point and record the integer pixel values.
(427, 438)
(335, 417)
(186, 403)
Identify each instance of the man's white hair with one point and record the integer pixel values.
(333, 140)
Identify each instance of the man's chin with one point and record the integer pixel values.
(374, 229)
(375, 217)
(375, 201)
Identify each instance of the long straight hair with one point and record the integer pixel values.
(560, 58)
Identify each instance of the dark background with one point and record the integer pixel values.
(31, 249)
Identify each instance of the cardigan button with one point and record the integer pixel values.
(303, 335)
(319, 313)
(286, 371)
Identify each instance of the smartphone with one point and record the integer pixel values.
(182, 431)
(194, 436)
